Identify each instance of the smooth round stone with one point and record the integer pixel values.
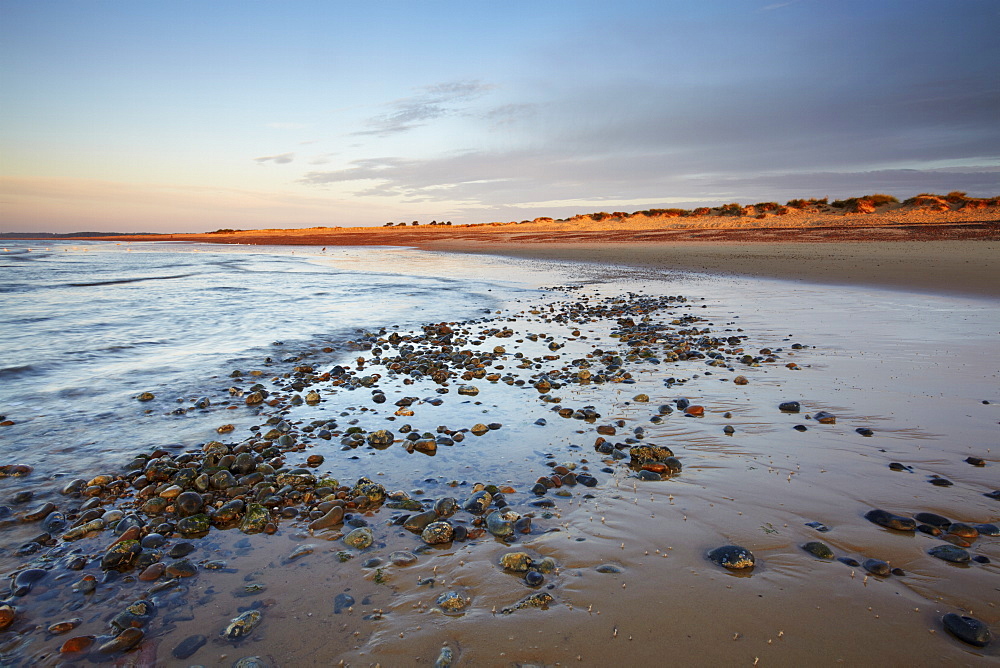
(890, 521)
(818, 550)
(332, 518)
(181, 550)
(987, 529)
(952, 553)
(610, 568)
(534, 579)
(402, 558)
(437, 533)
(360, 538)
(182, 568)
(478, 503)
(188, 503)
(876, 567)
(452, 602)
(789, 406)
(967, 629)
(516, 561)
(732, 557)
(499, 526)
(445, 507)
(853, 563)
(963, 530)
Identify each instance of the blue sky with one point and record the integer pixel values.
(191, 116)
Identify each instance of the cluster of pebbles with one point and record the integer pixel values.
(135, 528)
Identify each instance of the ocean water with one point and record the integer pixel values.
(87, 327)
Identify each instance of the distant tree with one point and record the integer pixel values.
(416, 222)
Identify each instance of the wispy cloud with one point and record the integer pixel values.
(430, 103)
(280, 159)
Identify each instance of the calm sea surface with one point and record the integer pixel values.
(86, 328)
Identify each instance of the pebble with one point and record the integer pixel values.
(610, 568)
(890, 521)
(952, 553)
(437, 533)
(452, 602)
(189, 646)
(7, 616)
(934, 520)
(242, 626)
(360, 539)
(789, 407)
(876, 567)
(733, 557)
(818, 550)
(967, 629)
(125, 640)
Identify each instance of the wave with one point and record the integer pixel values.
(127, 280)
(23, 370)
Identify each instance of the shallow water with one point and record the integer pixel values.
(914, 368)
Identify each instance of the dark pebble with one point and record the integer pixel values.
(952, 553)
(980, 559)
(342, 602)
(853, 563)
(890, 521)
(790, 406)
(975, 461)
(865, 431)
(995, 494)
(733, 557)
(189, 646)
(896, 466)
(987, 529)
(800, 427)
(876, 567)
(941, 482)
(967, 629)
(898, 572)
(181, 550)
(534, 578)
(819, 526)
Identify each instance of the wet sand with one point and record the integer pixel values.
(955, 267)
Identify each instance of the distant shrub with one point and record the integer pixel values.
(881, 199)
(664, 212)
(226, 230)
(766, 206)
(701, 211)
(600, 216)
(956, 196)
(733, 209)
(782, 211)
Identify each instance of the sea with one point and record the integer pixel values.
(86, 328)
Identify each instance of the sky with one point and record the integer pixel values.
(180, 116)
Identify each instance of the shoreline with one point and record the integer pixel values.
(955, 253)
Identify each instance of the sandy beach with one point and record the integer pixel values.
(955, 252)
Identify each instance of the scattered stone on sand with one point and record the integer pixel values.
(732, 557)
(952, 553)
(967, 629)
(876, 567)
(818, 549)
(891, 521)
